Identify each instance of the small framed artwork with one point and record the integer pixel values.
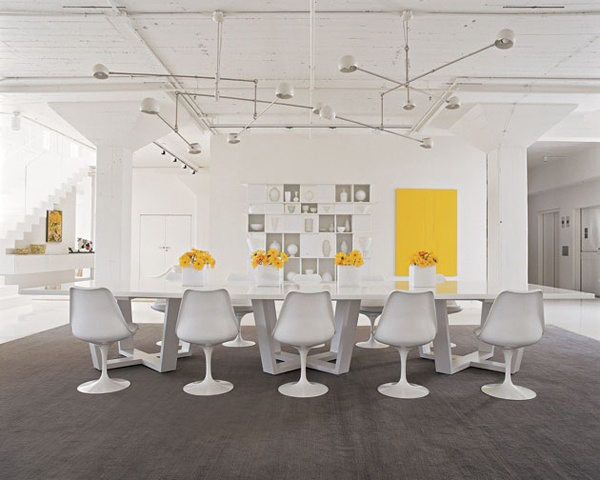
(54, 226)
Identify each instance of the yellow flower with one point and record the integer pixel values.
(354, 258)
(197, 259)
(271, 257)
(423, 258)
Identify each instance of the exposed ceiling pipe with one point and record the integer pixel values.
(192, 108)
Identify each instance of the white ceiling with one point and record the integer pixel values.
(48, 49)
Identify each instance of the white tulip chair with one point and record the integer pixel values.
(241, 309)
(206, 318)
(515, 320)
(408, 320)
(96, 318)
(306, 321)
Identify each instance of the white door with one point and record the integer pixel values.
(163, 238)
(550, 253)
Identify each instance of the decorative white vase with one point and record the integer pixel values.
(348, 276)
(190, 277)
(343, 196)
(421, 277)
(266, 276)
(274, 194)
(326, 247)
(360, 195)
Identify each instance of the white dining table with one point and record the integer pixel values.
(347, 304)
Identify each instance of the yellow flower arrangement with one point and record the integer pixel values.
(424, 258)
(271, 257)
(197, 259)
(353, 259)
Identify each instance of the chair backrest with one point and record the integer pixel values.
(206, 317)
(516, 319)
(306, 319)
(408, 319)
(95, 316)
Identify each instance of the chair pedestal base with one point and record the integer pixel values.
(403, 390)
(508, 391)
(239, 342)
(208, 387)
(303, 389)
(104, 385)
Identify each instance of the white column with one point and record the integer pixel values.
(113, 215)
(507, 218)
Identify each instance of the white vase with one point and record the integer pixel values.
(190, 277)
(266, 276)
(360, 195)
(348, 276)
(343, 196)
(421, 277)
(326, 248)
(274, 194)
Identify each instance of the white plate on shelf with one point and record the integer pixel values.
(256, 226)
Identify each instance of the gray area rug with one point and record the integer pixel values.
(153, 430)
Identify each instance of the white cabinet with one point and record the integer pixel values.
(311, 223)
(163, 239)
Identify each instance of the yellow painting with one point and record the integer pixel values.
(54, 226)
(426, 219)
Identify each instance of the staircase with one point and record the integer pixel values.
(14, 229)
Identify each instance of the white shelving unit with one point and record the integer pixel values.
(311, 223)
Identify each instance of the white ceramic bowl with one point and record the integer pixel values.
(256, 226)
(341, 229)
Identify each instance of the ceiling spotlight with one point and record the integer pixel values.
(284, 91)
(327, 113)
(316, 109)
(184, 166)
(15, 121)
(100, 72)
(174, 160)
(194, 149)
(453, 103)
(409, 106)
(506, 39)
(426, 143)
(233, 138)
(193, 172)
(347, 64)
(150, 106)
(163, 152)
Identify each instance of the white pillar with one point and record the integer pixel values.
(113, 215)
(504, 131)
(507, 218)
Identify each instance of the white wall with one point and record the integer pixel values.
(384, 161)
(574, 170)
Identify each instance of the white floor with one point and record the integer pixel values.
(47, 312)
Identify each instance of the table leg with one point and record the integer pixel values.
(170, 343)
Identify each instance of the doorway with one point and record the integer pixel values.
(163, 239)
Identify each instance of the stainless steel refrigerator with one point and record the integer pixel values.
(590, 250)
